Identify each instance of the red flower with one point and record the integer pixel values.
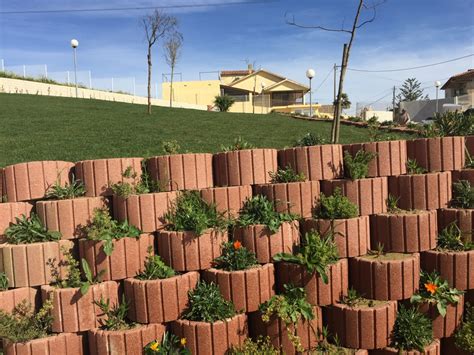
(237, 245)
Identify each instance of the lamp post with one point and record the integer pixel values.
(437, 85)
(74, 45)
(310, 73)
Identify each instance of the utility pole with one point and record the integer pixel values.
(335, 80)
(393, 103)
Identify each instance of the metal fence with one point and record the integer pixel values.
(371, 106)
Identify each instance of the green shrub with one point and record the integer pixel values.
(316, 253)
(259, 210)
(170, 147)
(206, 304)
(3, 281)
(450, 124)
(155, 268)
(260, 346)
(412, 330)
(290, 307)
(169, 345)
(115, 316)
(27, 230)
(239, 144)
(189, 212)
(335, 206)
(310, 139)
(357, 167)
(104, 228)
(235, 257)
(223, 102)
(23, 324)
(59, 192)
(435, 291)
(413, 168)
(463, 194)
(451, 239)
(392, 204)
(145, 184)
(464, 337)
(286, 175)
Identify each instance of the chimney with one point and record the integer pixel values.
(250, 68)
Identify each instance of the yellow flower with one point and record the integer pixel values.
(154, 346)
(183, 341)
(431, 288)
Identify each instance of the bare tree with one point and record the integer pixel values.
(172, 53)
(156, 25)
(357, 23)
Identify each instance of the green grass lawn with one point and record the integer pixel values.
(45, 128)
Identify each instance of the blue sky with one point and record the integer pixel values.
(405, 33)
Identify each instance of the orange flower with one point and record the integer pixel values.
(431, 288)
(237, 245)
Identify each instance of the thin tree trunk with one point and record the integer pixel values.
(149, 79)
(345, 59)
(171, 86)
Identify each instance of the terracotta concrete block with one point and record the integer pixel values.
(421, 192)
(244, 167)
(144, 211)
(352, 236)
(3, 190)
(64, 344)
(247, 289)
(228, 200)
(391, 157)
(127, 259)
(74, 312)
(275, 329)
(212, 338)
(437, 154)
(448, 347)
(186, 251)
(444, 327)
(30, 181)
(433, 349)
(464, 219)
(294, 197)
(159, 301)
(264, 243)
(469, 141)
(464, 174)
(362, 327)
(130, 342)
(319, 162)
(182, 171)
(98, 175)
(26, 264)
(370, 194)
(317, 292)
(68, 216)
(455, 267)
(10, 210)
(404, 232)
(10, 298)
(389, 277)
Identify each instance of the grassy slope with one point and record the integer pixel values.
(42, 128)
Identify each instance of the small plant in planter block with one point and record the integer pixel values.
(261, 345)
(29, 246)
(291, 323)
(11, 210)
(228, 200)
(421, 190)
(331, 344)
(170, 344)
(412, 334)
(337, 215)
(74, 294)
(117, 335)
(23, 330)
(453, 258)
(464, 336)
(316, 267)
(193, 235)
(116, 247)
(442, 304)
(264, 231)
(240, 278)
(361, 323)
(158, 294)
(290, 192)
(404, 231)
(369, 194)
(10, 297)
(210, 323)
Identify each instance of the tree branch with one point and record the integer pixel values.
(292, 22)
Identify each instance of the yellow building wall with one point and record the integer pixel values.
(286, 86)
(193, 92)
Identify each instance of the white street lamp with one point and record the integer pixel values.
(437, 85)
(310, 74)
(74, 45)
